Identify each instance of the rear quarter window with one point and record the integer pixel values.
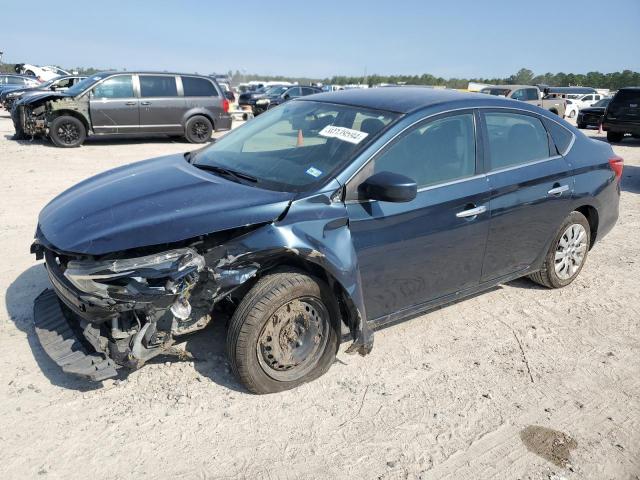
(198, 87)
(561, 137)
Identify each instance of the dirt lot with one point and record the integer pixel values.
(517, 383)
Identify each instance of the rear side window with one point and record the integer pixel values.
(115, 87)
(17, 81)
(626, 97)
(198, 87)
(560, 135)
(157, 86)
(515, 139)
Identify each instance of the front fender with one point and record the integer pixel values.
(316, 230)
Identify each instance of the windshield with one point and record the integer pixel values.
(602, 103)
(275, 91)
(81, 86)
(502, 92)
(296, 146)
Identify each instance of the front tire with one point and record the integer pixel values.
(67, 132)
(615, 136)
(284, 332)
(572, 114)
(198, 129)
(567, 253)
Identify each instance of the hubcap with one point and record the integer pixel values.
(68, 133)
(293, 339)
(200, 130)
(570, 251)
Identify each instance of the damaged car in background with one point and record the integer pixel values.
(126, 103)
(324, 218)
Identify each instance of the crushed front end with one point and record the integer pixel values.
(123, 311)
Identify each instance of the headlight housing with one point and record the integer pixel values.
(158, 274)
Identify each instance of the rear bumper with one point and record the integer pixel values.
(67, 340)
(621, 127)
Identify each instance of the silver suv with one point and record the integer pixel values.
(140, 103)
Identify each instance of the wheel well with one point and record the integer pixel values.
(201, 114)
(554, 110)
(71, 113)
(592, 217)
(345, 304)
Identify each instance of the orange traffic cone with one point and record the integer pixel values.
(300, 139)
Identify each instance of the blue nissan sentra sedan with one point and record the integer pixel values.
(343, 211)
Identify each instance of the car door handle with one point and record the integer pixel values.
(130, 103)
(472, 212)
(145, 103)
(559, 190)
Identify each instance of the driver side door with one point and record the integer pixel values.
(416, 252)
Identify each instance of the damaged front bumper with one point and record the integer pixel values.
(123, 311)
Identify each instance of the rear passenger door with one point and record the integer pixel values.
(161, 109)
(113, 106)
(531, 188)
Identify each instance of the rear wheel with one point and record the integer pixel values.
(283, 333)
(198, 129)
(615, 136)
(572, 113)
(67, 132)
(567, 253)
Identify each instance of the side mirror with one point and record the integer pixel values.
(389, 187)
(286, 96)
(53, 87)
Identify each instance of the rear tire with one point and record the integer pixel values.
(615, 136)
(572, 114)
(67, 132)
(567, 253)
(198, 129)
(283, 333)
(582, 126)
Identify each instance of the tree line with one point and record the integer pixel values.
(524, 76)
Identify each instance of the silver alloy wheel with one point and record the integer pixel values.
(570, 251)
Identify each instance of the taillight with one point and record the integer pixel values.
(617, 164)
(225, 105)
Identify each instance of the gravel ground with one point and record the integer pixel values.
(446, 395)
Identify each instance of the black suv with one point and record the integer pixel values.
(623, 115)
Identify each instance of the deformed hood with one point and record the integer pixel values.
(153, 202)
(39, 97)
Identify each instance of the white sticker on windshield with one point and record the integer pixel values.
(314, 172)
(342, 133)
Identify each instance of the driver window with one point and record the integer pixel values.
(435, 152)
(518, 95)
(293, 92)
(114, 87)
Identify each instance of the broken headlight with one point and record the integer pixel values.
(164, 273)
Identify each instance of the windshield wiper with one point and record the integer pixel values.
(227, 172)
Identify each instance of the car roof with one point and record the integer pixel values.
(149, 72)
(404, 99)
(510, 87)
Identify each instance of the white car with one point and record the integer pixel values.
(584, 101)
(44, 74)
(571, 109)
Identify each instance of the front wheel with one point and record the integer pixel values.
(67, 132)
(198, 129)
(283, 333)
(572, 113)
(567, 253)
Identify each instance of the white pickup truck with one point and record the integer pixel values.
(529, 94)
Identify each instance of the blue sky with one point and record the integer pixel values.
(449, 38)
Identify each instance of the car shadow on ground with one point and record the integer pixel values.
(631, 179)
(112, 140)
(206, 349)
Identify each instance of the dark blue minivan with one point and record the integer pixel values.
(339, 212)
